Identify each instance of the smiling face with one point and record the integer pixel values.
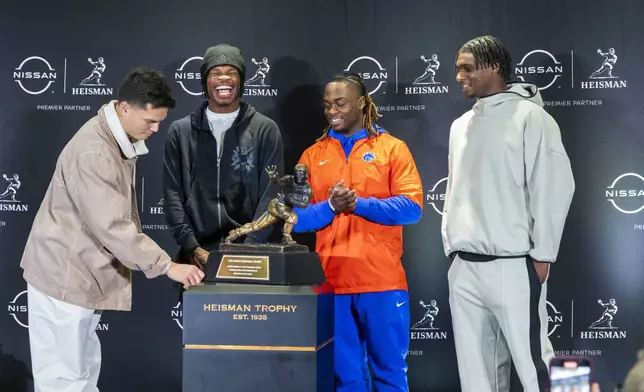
(343, 107)
(224, 91)
(483, 67)
(474, 82)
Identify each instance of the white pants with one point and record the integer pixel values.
(65, 350)
(499, 312)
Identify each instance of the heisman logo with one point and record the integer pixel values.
(8, 201)
(259, 79)
(606, 319)
(256, 85)
(431, 311)
(426, 83)
(158, 208)
(92, 84)
(94, 79)
(603, 76)
(425, 329)
(603, 327)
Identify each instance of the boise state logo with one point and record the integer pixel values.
(369, 157)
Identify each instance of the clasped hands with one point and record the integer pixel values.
(342, 198)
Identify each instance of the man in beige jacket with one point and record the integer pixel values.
(86, 237)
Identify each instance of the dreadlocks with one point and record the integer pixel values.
(370, 113)
(488, 51)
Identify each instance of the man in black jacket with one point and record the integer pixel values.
(214, 179)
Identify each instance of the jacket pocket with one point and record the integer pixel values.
(101, 272)
(532, 272)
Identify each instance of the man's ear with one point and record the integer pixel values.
(123, 106)
(361, 103)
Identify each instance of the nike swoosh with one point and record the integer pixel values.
(400, 304)
(323, 162)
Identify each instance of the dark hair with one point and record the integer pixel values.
(489, 51)
(142, 86)
(370, 113)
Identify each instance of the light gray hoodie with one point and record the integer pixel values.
(510, 183)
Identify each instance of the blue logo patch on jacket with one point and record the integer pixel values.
(369, 157)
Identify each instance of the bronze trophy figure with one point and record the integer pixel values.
(295, 192)
(283, 263)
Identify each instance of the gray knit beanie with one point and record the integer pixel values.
(222, 54)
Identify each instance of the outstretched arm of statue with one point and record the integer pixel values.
(274, 177)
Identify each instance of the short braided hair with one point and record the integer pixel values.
(489, 51)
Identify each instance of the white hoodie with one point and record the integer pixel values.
(510, 184)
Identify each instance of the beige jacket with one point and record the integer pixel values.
(86, 237)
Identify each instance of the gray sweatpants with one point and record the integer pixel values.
(499, 310)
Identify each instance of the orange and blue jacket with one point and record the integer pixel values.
(361, 250)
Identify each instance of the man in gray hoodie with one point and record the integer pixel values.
(509, 189)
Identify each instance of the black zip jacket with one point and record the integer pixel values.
(206, 195)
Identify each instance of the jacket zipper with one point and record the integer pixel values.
(219, 155)
(355, 148)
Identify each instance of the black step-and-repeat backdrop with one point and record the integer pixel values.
(59, 62)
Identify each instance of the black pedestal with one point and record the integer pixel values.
(257, 338)
(268, 264)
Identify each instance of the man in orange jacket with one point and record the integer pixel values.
(365, 188)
